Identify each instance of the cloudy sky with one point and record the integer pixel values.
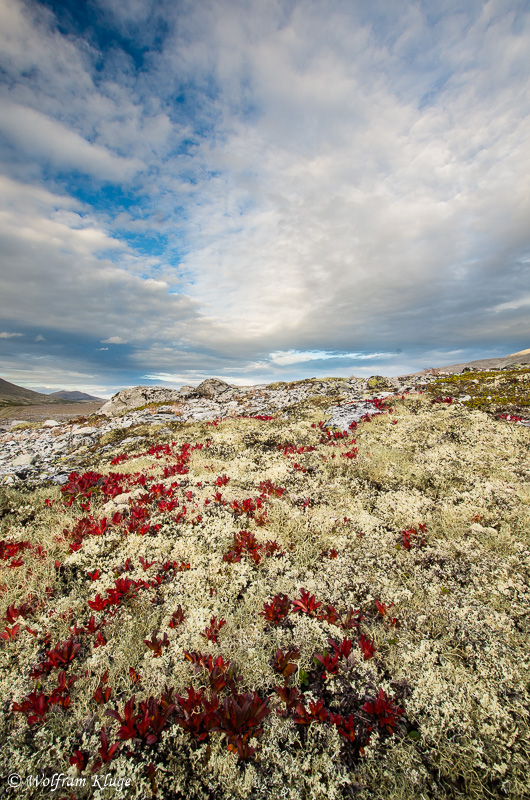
(260, 190)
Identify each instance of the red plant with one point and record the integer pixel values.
(192, 719)
(135, 678)
(79, 760)
(177, 617)
(9, 633)
(329, 614)
(282, 662)
(385, 711)
(352, 619)
(155, 644)
(127, 729)
(329, 663)
(59, 656)
(412, 538)
(153, 718)
(317, 711)
(290, 696)
(301, 715)
(345, 727)
(81, 485)
(383, 610)
(102, 694)
(34, 705)
(343, 649)
(240, 717)
(221, 675)
(276, 610)
(222, 480)
(350, 453)
(212, 631)
(367, 647)
(98, 603)
(106, 753)
(268, 488)
(307, 604)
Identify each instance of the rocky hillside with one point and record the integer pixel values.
(11, 394)
(74, 396)
(312, 590)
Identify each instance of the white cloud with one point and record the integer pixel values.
(114, 340)
(294, 357)
(513, 304)
(8, 335)
(40, 338)
(38, 135)
(61, 259)
(336, 180)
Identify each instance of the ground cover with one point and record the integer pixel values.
(265, 608)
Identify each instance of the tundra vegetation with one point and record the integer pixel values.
(268, 608)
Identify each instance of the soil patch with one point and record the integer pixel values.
(58, 411)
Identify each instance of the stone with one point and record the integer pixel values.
(187, 391)
(211, 388)
(379, 383)
(343, 416)
(61, 478)
(50, 423)
(136, 397)
(23, 460)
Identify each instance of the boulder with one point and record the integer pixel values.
(211, 388)
(378, 383)
(187, 391)
(136, 397)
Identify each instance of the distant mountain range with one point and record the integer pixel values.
(77, 397)
(13, 395)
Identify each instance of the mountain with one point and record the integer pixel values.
(77, 397)
(521, 357)
(11, 394)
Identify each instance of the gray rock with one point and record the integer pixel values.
(212, 387)
(136, 397)
(50, 423)
(61, 478)
(23, 460)
(89, 430)
(343, 416)
(379, 383)
(187, 391)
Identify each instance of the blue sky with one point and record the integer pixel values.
(260, 190)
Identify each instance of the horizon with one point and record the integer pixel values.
(260, 192)
(47, 390)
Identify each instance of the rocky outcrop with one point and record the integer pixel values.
(211, 388)
(139, 396)
(378, 383)
(136, 397)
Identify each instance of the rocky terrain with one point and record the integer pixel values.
(48, 449)
(305, 591)
(44, 450)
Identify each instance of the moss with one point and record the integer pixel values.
(456, 659)
(496, 392)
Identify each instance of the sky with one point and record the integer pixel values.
(260, 190)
